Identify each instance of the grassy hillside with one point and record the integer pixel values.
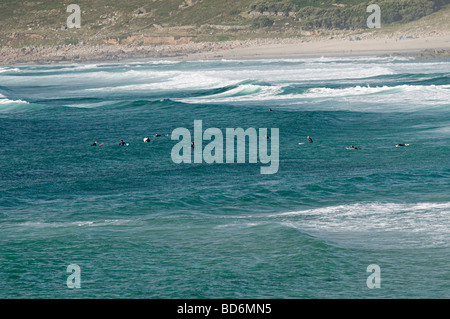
(43, 22)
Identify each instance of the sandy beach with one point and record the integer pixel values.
(331, 47)
(425, 46)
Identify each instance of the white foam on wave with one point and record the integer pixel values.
(356, 90)
(273, 93)
(66, 77)
(375, 225)
(156, 79)
(8, 69)
(142, 77)
(239, 225)
(161, 62)
(416, 93)
(169, 81)
(5, 101)
(89, 105)
(241, 93)
(399, 98)
(405, 98)
(294, 74)
(154, 62)
(77, 67)
(97, 223)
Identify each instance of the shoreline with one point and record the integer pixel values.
(433, 47)
(430, 47)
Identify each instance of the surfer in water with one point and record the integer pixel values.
(122, 143)
(94, 144)
(398, 145)
(147, 140)
(157, 135)
(310, 139)
(353, 147)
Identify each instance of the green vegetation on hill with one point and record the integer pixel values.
(43, 22)
(347, 14)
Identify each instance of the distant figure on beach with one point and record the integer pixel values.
(121, 143)
(399, 145)
(310, 139)
(94, 144)
(147, 140)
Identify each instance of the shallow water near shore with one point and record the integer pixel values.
(141, 226)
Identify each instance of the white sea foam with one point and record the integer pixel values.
(5, 100)
(8, 69)
(415, 93)
(375, 225)
(162, 62)
(246, 92)
(239, 225)
(168, 81)
(89, 105)
(368, 225)
(155, 79)
(399, 98)
(143, 77)
(350, 91)
(292, 74)
(97, 223)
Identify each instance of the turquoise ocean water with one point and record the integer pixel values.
(140, 226)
